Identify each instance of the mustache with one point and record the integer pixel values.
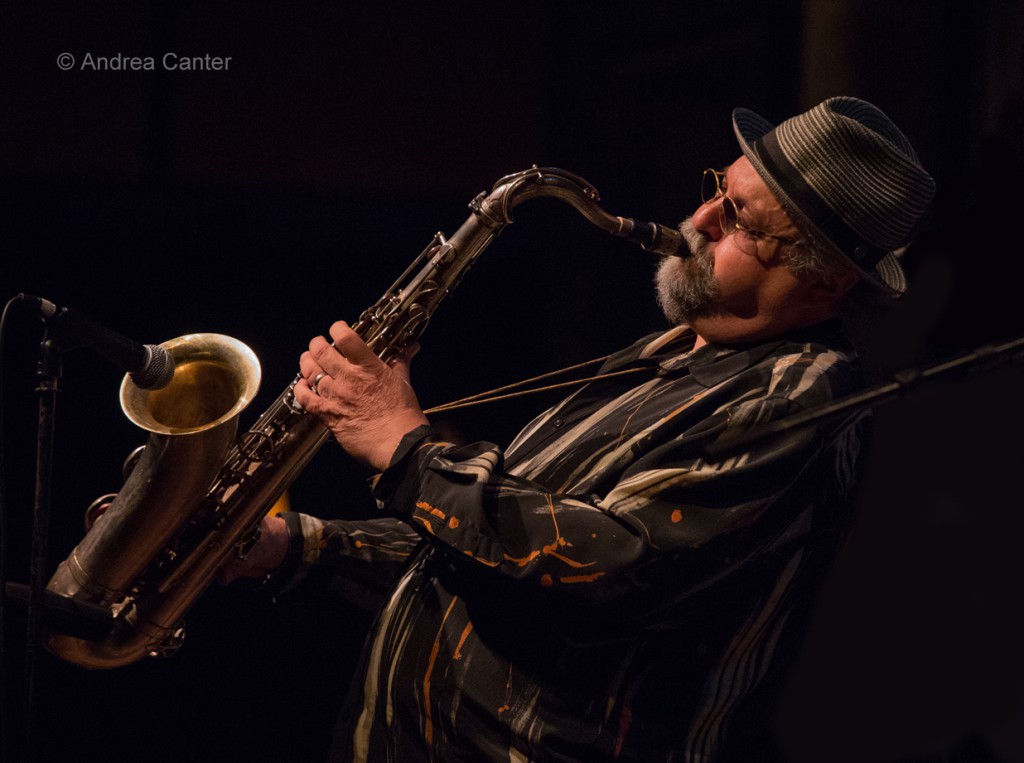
(696, 241)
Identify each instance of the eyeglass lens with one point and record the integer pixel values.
(709, 186)
(711, 190)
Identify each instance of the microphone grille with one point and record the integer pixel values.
(157, 372)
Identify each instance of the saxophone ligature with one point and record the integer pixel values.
(197, 491)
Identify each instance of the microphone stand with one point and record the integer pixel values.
(48, 376)
(57, 613)
(983, 358)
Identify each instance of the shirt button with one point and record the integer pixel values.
(557, 423)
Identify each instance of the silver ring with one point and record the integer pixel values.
(312, 384)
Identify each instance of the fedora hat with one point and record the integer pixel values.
(848, 176)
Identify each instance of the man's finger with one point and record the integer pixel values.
(352, 346)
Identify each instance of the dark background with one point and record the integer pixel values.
(290, 190)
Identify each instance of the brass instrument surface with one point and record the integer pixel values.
(198, 491)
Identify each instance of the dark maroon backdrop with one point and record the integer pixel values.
(289, 188)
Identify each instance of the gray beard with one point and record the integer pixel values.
(686, 286)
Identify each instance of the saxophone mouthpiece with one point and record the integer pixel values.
(655, 238)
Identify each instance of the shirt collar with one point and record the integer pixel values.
(672, 351)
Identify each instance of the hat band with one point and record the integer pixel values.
(769, 152)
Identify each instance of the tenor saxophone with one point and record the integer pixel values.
(197, 492)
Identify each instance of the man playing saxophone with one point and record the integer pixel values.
(609, 586)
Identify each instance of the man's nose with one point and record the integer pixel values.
(708, 219)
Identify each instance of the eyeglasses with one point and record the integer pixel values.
(729, 216)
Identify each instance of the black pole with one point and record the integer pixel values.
(48, 382)
(981, 359)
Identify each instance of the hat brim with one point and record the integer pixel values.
(887, 275)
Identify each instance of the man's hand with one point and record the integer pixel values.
(367, 404)
(264, 557)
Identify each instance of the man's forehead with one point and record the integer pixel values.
(746, 186)
(742, 171)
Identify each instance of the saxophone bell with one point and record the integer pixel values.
(132, 557)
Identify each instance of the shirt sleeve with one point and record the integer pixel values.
(369, 553)
(666, 513)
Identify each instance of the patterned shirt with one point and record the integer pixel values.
(608, 587)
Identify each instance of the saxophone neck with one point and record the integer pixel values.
(495, 209)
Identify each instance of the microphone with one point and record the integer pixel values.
(149, 365)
